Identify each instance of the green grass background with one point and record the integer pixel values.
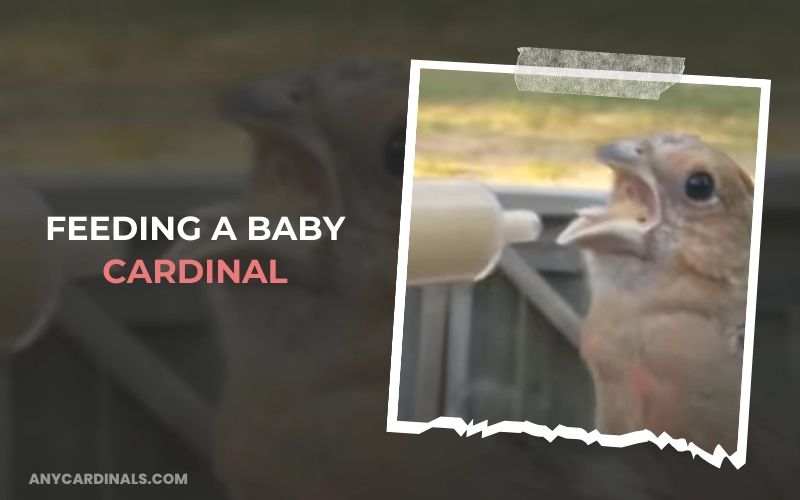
(480, 124)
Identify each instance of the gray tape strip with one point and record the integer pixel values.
(604, 74)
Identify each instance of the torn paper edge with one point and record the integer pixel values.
(600, 74)
(738, 458)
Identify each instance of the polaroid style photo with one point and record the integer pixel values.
(628, 316)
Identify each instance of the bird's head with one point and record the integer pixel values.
(674, 200)
(334, 135)
(327, 141)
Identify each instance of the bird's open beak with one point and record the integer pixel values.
(238, 215)
(204, 247)
(633, 208)
(282, 116)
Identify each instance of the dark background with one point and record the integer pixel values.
(130, 86)
(120, 85)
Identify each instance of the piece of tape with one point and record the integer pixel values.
(602, 74)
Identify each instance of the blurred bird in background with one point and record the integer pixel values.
(668, 263)
(304, 405)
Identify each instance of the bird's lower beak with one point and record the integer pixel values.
(633, 208)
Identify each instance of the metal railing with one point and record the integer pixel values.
(475, 357)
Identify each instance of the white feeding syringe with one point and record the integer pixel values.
(459, 230)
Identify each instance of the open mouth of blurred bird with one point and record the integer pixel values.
(633, 209)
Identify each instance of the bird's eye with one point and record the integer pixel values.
(700, 186)
(394, 153)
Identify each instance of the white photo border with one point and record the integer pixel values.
(738, 458)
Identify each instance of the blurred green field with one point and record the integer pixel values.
(479, 124)
(131, 84)
(462, 87)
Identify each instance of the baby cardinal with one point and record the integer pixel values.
(668, 261)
